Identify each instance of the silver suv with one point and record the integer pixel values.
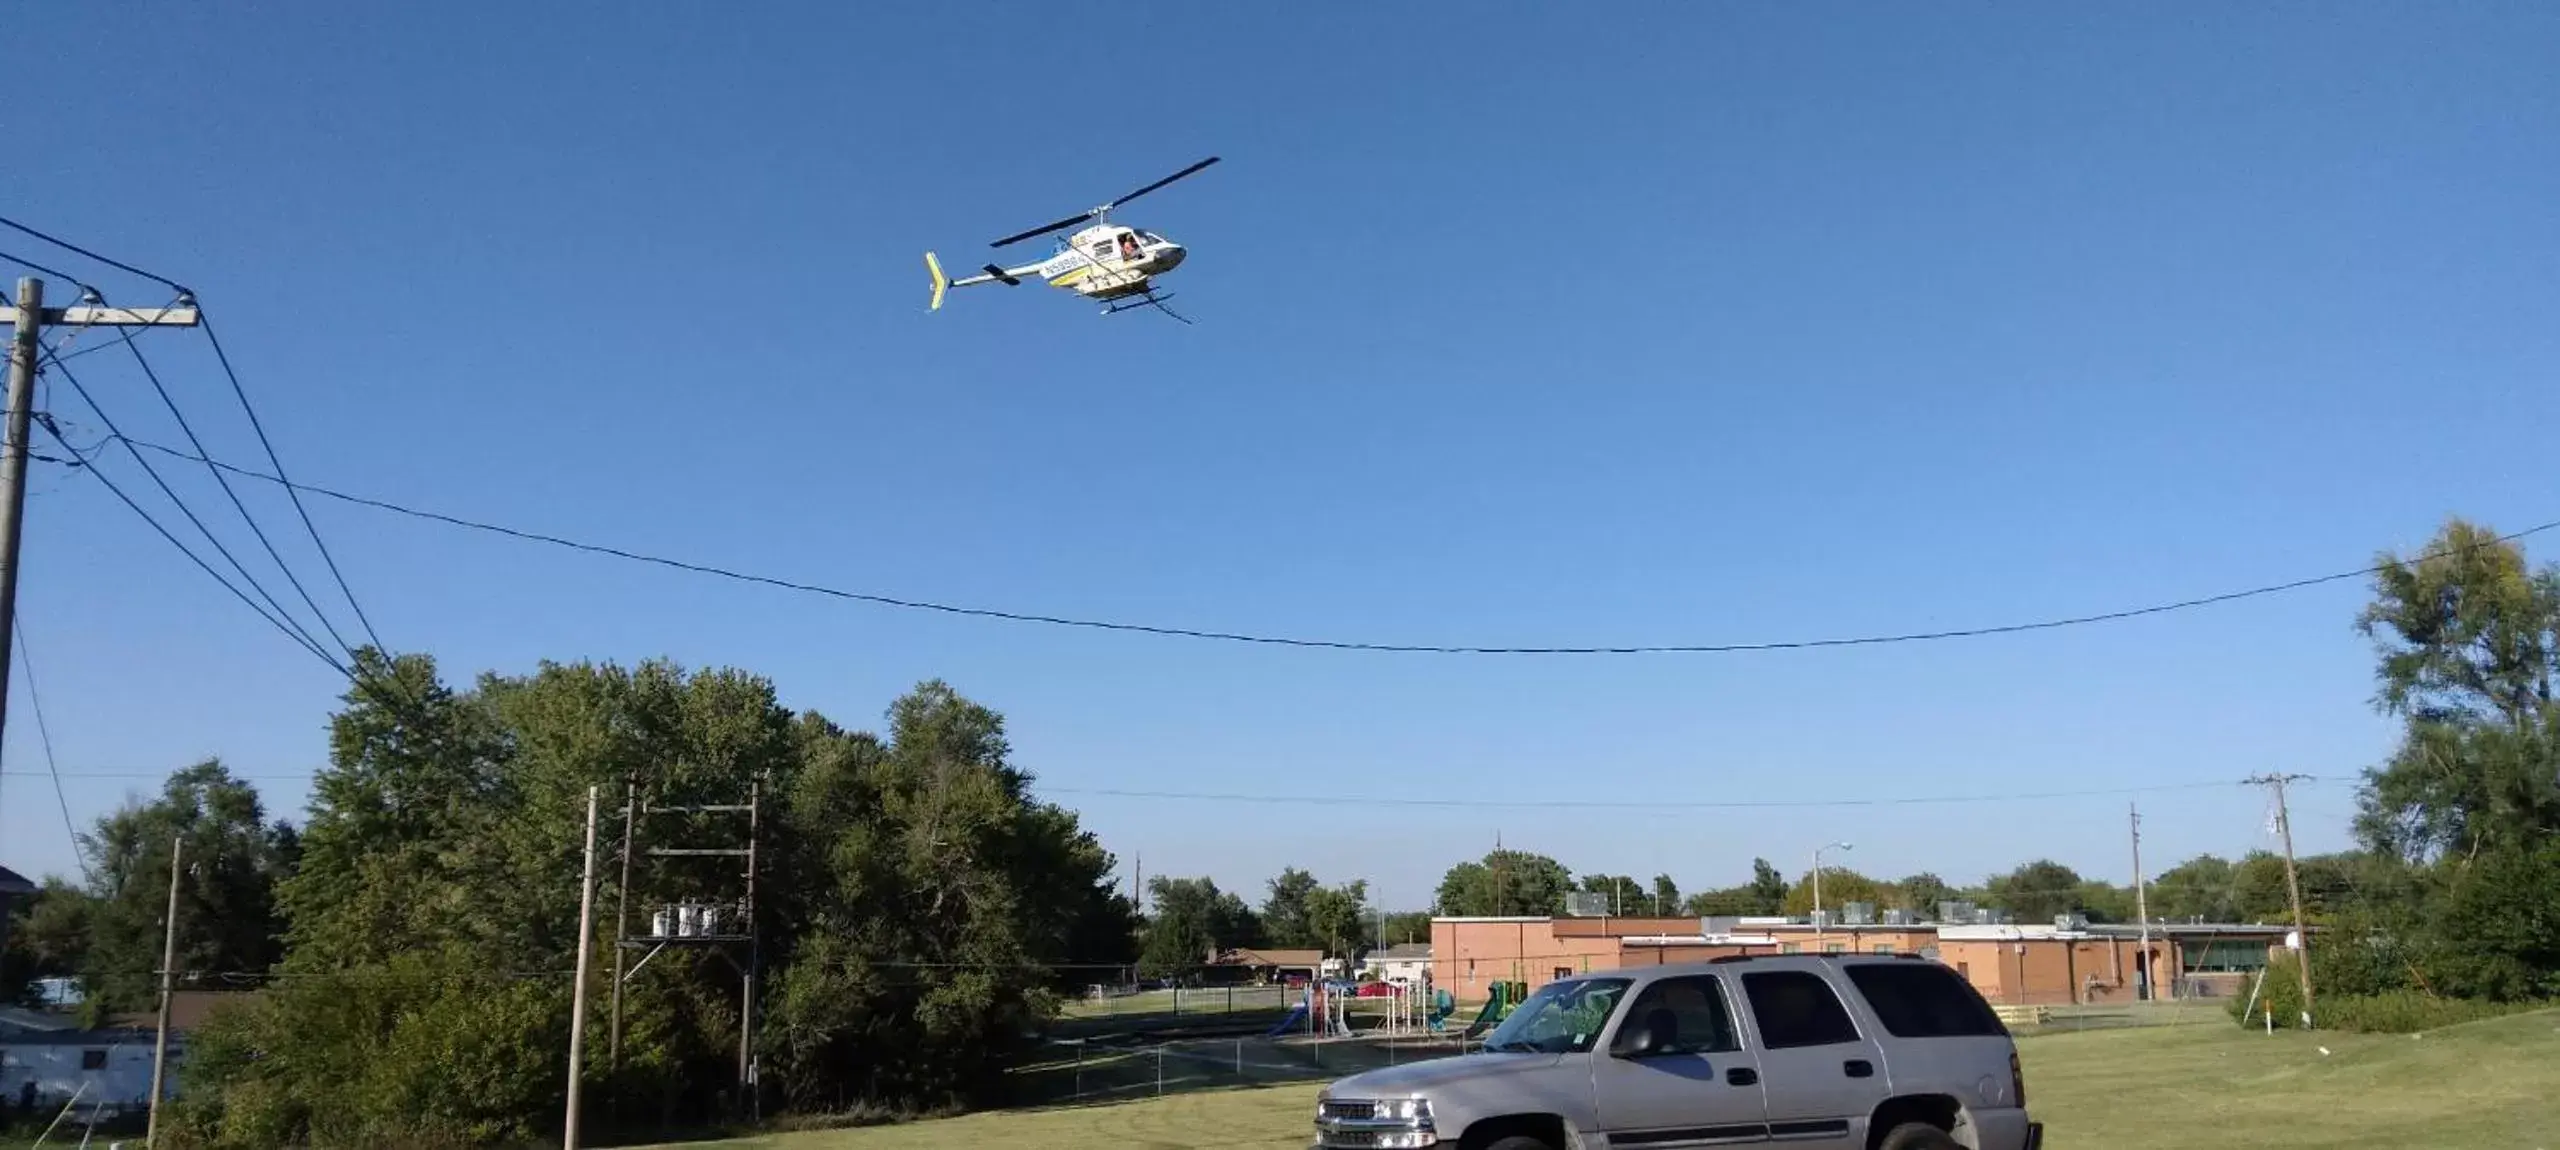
(1857, 1053)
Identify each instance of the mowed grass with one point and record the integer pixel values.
(2484, 1084)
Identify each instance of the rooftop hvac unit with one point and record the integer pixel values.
(1586, 904)
(2072, 921)
(1821, 920)
(1985, 916)
(1858, 913)
(1955, 911)
(1898, 917)
(1719, 925)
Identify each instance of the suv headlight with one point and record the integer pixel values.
(1406, 1110)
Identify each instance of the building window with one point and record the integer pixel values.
(93, 1060)
(1835, 948)
(1791, 948)
(1564, 972)
(2222, 957)
(1884, 948)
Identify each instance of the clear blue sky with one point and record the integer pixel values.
(1684, 323)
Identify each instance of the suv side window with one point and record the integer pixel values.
(1797, 1009)
(1700, 1017)
(1923, 1000)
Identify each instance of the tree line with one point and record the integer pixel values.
(923, 914)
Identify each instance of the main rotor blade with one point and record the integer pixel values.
(1043, 230)
(1167, 180)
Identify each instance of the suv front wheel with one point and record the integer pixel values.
(1918, 1136)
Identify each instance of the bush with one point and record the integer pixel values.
(2387, 1012)
(2406, 1012)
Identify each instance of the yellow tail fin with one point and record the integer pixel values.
(940, 281)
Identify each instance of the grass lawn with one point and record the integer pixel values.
(2483, 1084)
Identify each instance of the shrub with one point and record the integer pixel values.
(2406, 1012)
(2388, 1012)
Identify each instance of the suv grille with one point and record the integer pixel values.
(1361, 1110)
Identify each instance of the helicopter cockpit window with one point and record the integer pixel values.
(1129, 246)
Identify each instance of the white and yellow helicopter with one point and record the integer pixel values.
(1109, 263)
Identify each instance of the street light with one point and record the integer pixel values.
(1817, 883)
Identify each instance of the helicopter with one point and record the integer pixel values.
(1112, 264)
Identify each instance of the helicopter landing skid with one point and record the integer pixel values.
(1149, 299)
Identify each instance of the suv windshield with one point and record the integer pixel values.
(1561, 1018)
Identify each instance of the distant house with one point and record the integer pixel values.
(1249, 965)
(109, 1068)
(1408, 962)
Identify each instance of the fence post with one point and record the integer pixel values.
(1079, 1070)
(1239, 1058)
(1159, 1071)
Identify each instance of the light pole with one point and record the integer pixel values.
(1817, 883)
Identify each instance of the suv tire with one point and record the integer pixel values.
(1918, 1136)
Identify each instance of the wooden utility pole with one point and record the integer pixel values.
(621, 921)
(30, 317)
(578, 995)
(2142, 967)
(168, 973)
(2292, 883)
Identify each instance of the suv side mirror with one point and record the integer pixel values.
(1642, 1038)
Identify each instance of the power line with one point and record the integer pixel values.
(1493, 804)
(281, 617)
(1325, 644)
(44, 735)
(291, 492)
(238, 392)
(42, 270)
(224, 482)
(300, 639)
(119, 265)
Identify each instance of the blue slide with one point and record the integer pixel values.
(1297, 1018)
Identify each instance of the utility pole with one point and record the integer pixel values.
(2141, 913)
(168, 971)
(2292, 883)
(747, 1085)
(621, 922)
(728, 927)
(578, 996)
(30, 318)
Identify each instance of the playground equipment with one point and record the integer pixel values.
(1505, 995)
(1325, 1010)
(1443, 1004)
(1336, 1000)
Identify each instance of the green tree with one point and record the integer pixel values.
(227, 921)
(1338, 917)
(2465, 630)
(1666, 896)
(1839, 885)
(48, 938)
(1284, 910)
(1505, 882)
(918, 909)
(1727, 901)
(1923, 892)
(1625, 894)
(1404, 926)
(1768, 888)
(2201, 889)
(2035, 892)
(1193, 920)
